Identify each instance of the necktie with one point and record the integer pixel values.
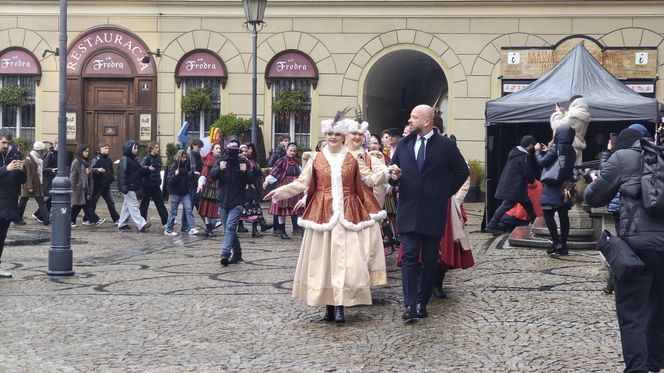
(420, 154)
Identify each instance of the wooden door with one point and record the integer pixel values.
(109, 127)
(109, 114)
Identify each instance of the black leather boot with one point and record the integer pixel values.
(329, 313)
(339, 315)
(264, 225)
(283, 234)
(208, 231)
(241, 228)
(254, 230)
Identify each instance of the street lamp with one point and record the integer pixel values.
(60, 256)
(254, 10)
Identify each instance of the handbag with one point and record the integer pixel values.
(624, 264)
(551, 173)
(568, 190)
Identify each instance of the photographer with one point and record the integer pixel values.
(639, 300)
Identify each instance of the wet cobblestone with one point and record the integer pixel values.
(151, 303)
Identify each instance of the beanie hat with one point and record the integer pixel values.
(39, 146)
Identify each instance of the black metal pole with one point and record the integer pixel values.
(60, 255)
(254, 92)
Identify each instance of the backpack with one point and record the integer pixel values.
(652, 178)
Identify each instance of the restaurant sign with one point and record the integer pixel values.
(18, 62)
(108, 64)
(200, 64)
(291, 65)
(104, 39)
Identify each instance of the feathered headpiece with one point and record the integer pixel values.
(338, 124)
(357, 127)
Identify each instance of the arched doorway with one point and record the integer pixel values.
(399, 81)
(111, 90)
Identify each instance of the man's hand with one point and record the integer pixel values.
(395, 172)
(609, 146)
(87, 171)
(544, 147)
(177, 171)
(15, 165)
(243, 167)
(223, 165)
(197, 173)
(199, 189)
(538, 146)
(265, 184)
(151, 168)
(101, 170)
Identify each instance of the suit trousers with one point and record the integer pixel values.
(418, 279)
(640, 308)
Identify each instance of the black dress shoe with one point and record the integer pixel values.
(421, 311)
(339, 315)
(284, 235)
(235, 259)
(409, 314)
(439, 293)
(329, 313)
(242, 229)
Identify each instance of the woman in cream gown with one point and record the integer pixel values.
(332, 269)
(374, 176)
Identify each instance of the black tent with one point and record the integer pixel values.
(528, 111)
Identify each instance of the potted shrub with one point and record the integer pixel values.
(477, 176)
(291, 102)
(13, 96)
(197, 100)
(231, 124)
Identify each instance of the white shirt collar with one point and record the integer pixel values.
(427, 136)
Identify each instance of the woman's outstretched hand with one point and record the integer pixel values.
(269, 196)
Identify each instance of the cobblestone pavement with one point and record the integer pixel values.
(151, 303)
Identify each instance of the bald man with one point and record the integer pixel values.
(429, 169)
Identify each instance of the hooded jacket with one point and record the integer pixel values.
(562, 145)
(130, 171)
(517, 174)
(231, 182)
(622, 172)
(179, 184)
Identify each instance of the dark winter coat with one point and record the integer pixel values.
(622, 172)
(130, 171)
(424, 195)
(179, 184)
(562, 145)
(10, 187)
(106, 178)
(614, 205)
(154, 177)
(231, 182)
(50, 163)
(279, 152)
(517, 174)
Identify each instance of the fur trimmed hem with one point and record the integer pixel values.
(346, 297)
(379, 216)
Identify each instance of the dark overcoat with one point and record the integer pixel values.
(423, 196)
(517, 174)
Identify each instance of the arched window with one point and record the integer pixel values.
(292, 70)
(19, 67)
(201, 69)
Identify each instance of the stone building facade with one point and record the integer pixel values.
(381, 56)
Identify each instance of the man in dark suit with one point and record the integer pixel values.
(429, 169)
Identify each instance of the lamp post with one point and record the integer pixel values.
(254, 10)
(60, 256)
